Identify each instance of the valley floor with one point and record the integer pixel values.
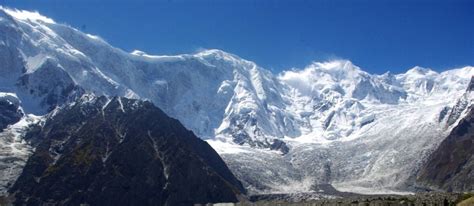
(346, 199)
(419, 199)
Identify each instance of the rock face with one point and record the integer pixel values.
(10, 111)
(451, 166)
(102, 151)
(470, 88)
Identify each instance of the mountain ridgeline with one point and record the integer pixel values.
(330, 123)
(213, 93)
(117, 151)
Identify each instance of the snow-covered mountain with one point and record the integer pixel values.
(330, 122)
(362, 144)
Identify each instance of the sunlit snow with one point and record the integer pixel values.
(342, 125)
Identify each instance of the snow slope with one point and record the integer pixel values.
(378, 146)
(330, 122)
(14, 150)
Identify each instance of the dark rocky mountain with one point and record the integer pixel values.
(470, 88)
(10, 111)
(451, 166)
(101, 151)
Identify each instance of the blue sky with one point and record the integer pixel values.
(376, 35)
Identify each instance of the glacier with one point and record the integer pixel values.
(328, 123)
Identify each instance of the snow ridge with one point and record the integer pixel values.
(354, 122)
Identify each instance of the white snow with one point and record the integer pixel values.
(28, 15)
(108, 79)
(34, 62)
(156, 58)
(371, 191)
(94, 37)
(227, 147)
(14, 149)
(10, 97)
(336, 118)
(119, 99)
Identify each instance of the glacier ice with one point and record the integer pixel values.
(337, 123)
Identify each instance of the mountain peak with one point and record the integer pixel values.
(138, 52)
(27, 15)
(218, 54)
(220, 95)
(338, 69)
(421, 71)
(213, 52)
(341, 64)
(154, 159)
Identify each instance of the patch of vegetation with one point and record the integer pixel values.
(4, 201)
(467, 202)
(466, 199)
(84, 156)
(51, 169)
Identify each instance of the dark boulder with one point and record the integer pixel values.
(10, 111)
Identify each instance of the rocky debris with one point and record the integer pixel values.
(419, 199)
(322, 192)
(241, 137)
(101, 151)
(290, 198)
(279, 145)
